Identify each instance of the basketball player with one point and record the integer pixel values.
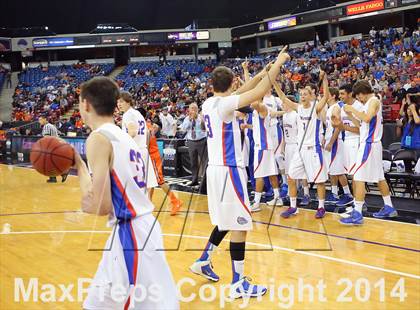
(226, 177)
(264, 159)
(309, 161)
(334, 150)
(157, 166)
(349, 125)
(133, 255)
(135, 125)
(275, 107)
(368, 166)
(290, 127)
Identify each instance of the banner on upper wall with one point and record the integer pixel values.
(365, 7)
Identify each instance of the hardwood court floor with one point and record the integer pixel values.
(49, 240)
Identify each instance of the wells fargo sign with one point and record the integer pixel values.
(365, 7)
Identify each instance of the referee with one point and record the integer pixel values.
(49, 129)
(196, 142)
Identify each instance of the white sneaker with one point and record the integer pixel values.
(243, 288)
(347, 213)
(205, 269)
(255, 207)
(275, 202)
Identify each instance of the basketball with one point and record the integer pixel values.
(52, 157)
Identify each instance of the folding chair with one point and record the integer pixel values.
(406, 156)
(394, 147)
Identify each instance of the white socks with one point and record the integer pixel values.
(387, 200)
(358, 206)
(346, 190)
(257, 197)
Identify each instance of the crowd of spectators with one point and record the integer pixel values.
(52, 92)
(388, 58)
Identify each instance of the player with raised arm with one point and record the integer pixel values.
(133, 255)
(308, 162)
(226, 177)
(368, 166)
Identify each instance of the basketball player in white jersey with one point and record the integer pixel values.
(369, 167)
(275, 106)
(310, 160)
(349, 125)
(226, 177)
(135, 125)
(132, 257)
(334, 150)
(264, 158)
(290, 127)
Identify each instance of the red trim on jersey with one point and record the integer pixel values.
(260, 161)
(124, 193)
(223, 144)
(319, 172)
(236, 191)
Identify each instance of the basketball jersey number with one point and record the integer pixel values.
(208, 125)
(286, 132)
(135, 157)
(142, 125)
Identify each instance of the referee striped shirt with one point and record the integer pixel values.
(49, 130)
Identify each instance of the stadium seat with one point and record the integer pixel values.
(394, 177)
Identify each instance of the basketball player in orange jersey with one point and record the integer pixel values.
(134, 256)
(157, 166)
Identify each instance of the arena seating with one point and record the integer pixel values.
(156, 74)
(38, 77)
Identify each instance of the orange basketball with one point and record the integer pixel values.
(51, 156)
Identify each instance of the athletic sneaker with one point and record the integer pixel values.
(255, 207)
(306, 200)
(320, 213)
(286, 201)
(347, 212)
(331, 199)
(284, 190)
(275, 201)
(345, 200)
(205, 269)
(243, 288)
(289, 212)
(356, 218)
(386, 211)
(176, 206)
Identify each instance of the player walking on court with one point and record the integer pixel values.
(226, 177)
(135, 125)
(133, 255)
(368, 166)
(309, 161)
(157, 166)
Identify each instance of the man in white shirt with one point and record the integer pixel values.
(168, 124)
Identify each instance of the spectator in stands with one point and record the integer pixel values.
(196, 142)
(169, 127)
(409, 124)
